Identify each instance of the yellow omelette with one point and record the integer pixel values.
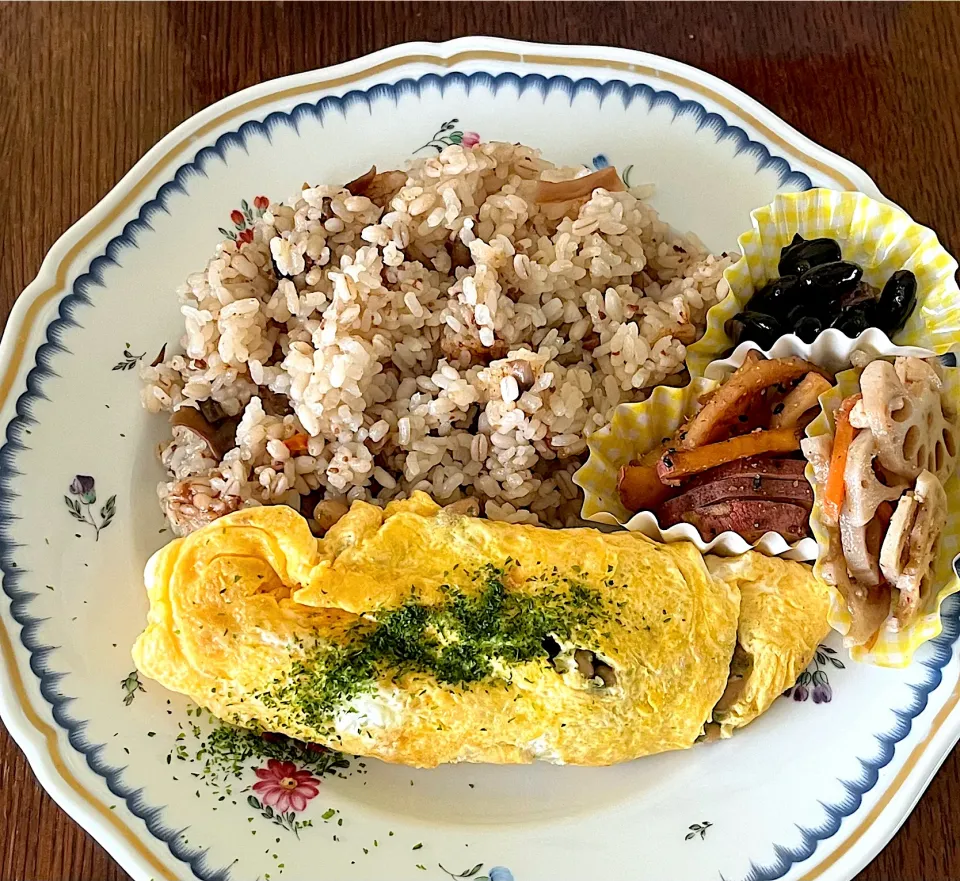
(421, 637)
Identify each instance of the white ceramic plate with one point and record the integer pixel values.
(813, 789)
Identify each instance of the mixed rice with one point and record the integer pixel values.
(443, 331)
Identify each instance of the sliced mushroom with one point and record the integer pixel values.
(579, 187)
(590, 667)
(328, 512)
(522, 371)
(218, 438)
(711, 733)
(309, 502)
(212, 411)
(468, 507)
(385, 186)
(359, 185)
(606, 674)
(731, 694)
(584, 661)
(741, 666)
(380, 187)
(160, 356)
(274, 403)
(460, 256)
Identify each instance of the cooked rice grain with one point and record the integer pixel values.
(462, 340)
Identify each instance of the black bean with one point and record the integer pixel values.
(762, 329)
(897, 300)
(803, 309)
(854, 321)
(776, 297)
(798, 258)
(861, 294)
(808, 328)
(827, 283)
(786, 250)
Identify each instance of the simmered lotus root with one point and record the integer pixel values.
(868, 606)
(816, 451)
(862, 564)
(904, 408)
(910, 547)
(864, 491)
(864, 494)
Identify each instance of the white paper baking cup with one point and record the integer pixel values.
(878, 236)
(637, 428)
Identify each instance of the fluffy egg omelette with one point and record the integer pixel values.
(419, 636)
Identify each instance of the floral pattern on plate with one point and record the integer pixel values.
(448, 134)
(280, 776)
(84, 491)
(815, 678)
(131, 684)
(129, 359)
(495, 873)
(282, 791)
(243, 219)
(698, 829)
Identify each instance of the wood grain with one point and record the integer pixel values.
(88, 88)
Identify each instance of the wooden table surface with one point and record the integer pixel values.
(88, 88)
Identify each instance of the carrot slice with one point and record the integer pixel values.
(674, 465)
(843, 436)
(297, 443)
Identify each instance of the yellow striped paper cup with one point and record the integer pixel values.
(636, 429)
(892, 648)
(880, 237)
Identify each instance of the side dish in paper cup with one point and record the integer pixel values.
(717, 463)
(886, 514)
(838, 263)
